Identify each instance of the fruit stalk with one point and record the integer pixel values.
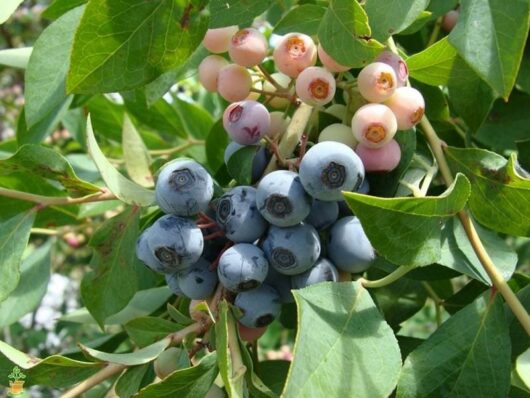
(387, 280)
(51, 200)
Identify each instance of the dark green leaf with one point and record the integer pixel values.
(303, 19)
(191, 382)
(45, 78)
(130, 381)
(216, 143)
(75, 122)
(123, 188)
(469, 355)
(345, 34)
(196, 121)
(235, 12)
(274, 374)
(406, 231)
(240, 164)
(491, 38)
(390, 17)
(353, 348)
(441, 7)
(60, 7)
(500, 198)
(121, 46)
(523, 80)
(113, 282)
(523, 149)
(14, 236)
(136, 156)
(44, 162)
(421, 20)
(138, 357)
(518, 335)
(178, 316)
(438, 108)
(464, 296)
(106, 116)
(408, 344)
(147, 330)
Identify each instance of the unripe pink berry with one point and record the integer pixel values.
(374, 125)
(315, 86)
(377, 82)
(450, 19)
(209, 71)
(385, 158)
(294, 53)
(250, 334)
(408, 106)
(217, 40)
(246, 122)
(398, 64)
(283, 81)
(248, 47)
(234, 83)
(279, 124)
(329, 63)
(338, 132)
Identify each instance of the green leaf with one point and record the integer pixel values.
(146, 330)
(15, 57)
(8, 8)
(122, 46)
(491, 38)
(60, 7)
(406, 231)
(240, 164)
(523, 80)
(138, 357)
(522, 367)
(433, 65)
(123, 188)
(421, 20)
(500, 198)
(386, 184)
(195, 120)
(518, 335)
(464, 296)
(469, 355)
(191, 382)
(216, 142)
(441, 7)
(131, 380)
(458, 253)
(390, 17)
(274, 374)
(14, 236)
(34, 277)
(45, 78)
(507, 123)
(438, 109)
(353, 348)
(44, 162)
(523, 149)
(136, 155)
(304, 19)
(106, 116)
(235, 12)
(178, 316)
(113, 282)
(345, 34)
(54, 371)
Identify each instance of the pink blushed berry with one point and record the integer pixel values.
(408, 106)
(315, 86)
(246, 121)
(234, 83)
(377, 82)
(294, 53)
(209, 71)
(329, 63)
(385, 158)
(248, 47)
(374, 125)
(217, 40)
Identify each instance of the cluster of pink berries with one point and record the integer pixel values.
(382, 86)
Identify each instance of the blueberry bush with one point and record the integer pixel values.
(264, 198)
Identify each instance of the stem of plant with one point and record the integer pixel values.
(178, 148)
(438, 302)
(387, 280)
(51, 200)
(435, 32)
(268, 76)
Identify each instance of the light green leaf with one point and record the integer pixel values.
(121, 46)
(15, 57)
(441, 7)
(123, 188)
(421, 20)
(390, 17)
(146, 330)
(195, 120)
(178, 316)
(138, 357)
(343, 344)
(472, 352)
(345, 34)
(500, 198)
(136, 155)
(433, 65)
(113, 282)
(191, 382)
(46, 74)
(8, 8)
(522, 367)
(304, 19)
(491, 38)
(406, 231)
(44, 162)
(34, 277)
(235, 12)
(14, 236)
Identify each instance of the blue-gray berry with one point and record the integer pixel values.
(242, 267)
(260, 306)
(198, 282)
(322, 214)
(322, 271)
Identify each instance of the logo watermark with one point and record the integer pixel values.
(16, 382)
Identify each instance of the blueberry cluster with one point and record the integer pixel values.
(291, 228)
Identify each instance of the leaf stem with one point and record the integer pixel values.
(105, 373)
(387, 280)
(271, 79)
(435, 32)
(178, 148)
(53, 200)
(280, 93)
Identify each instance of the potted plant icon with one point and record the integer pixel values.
(16, 382)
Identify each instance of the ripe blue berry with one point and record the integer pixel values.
(282, 284)
(323, 214)
(146, 255)
(292, 250)
(348, 247)
(197, 282)
(238, 215)
(260, 306)
(322, 271)
(329, 168)
(184, 188)
(173, 284)
(281, 198)
(175, 242)
(242, 267)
